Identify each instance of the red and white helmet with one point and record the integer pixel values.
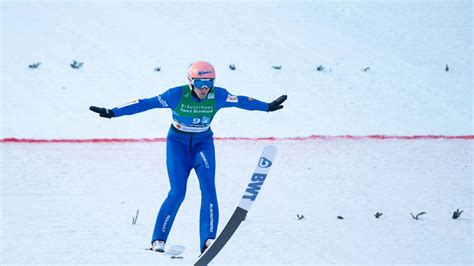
(201, 70)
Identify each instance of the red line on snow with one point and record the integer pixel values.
(312, 137)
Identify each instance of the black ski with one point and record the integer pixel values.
(250, 194)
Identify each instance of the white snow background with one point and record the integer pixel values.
(73, 203)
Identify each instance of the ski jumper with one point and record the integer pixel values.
(190, 145)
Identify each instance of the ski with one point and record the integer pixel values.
(250, 194)
(173, 252)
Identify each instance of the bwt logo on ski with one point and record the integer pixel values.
(257, 180)
(264, 163)
(254, 186)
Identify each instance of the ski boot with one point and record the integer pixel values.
(158, 246)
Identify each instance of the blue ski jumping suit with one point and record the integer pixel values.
(190, 145)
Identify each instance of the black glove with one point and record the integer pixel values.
(276, 104)
(103, 112)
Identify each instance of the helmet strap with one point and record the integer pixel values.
(194, 93)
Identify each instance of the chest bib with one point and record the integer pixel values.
(194, 116)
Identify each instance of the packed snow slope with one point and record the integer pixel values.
(70, 204)
(406, 45)
(74, 203)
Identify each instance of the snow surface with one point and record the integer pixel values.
(74, 203)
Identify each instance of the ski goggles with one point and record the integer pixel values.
(201, 84)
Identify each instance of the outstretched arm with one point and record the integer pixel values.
(249, 103)
(165, 100)
(133, 107)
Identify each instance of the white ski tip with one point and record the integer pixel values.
(270, 148)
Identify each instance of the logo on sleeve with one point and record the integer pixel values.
(162, 101)
(232, 99)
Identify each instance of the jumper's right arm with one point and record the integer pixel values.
(165, 100)
(140, 105)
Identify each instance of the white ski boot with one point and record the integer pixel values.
(158, 246)
(207, 244)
